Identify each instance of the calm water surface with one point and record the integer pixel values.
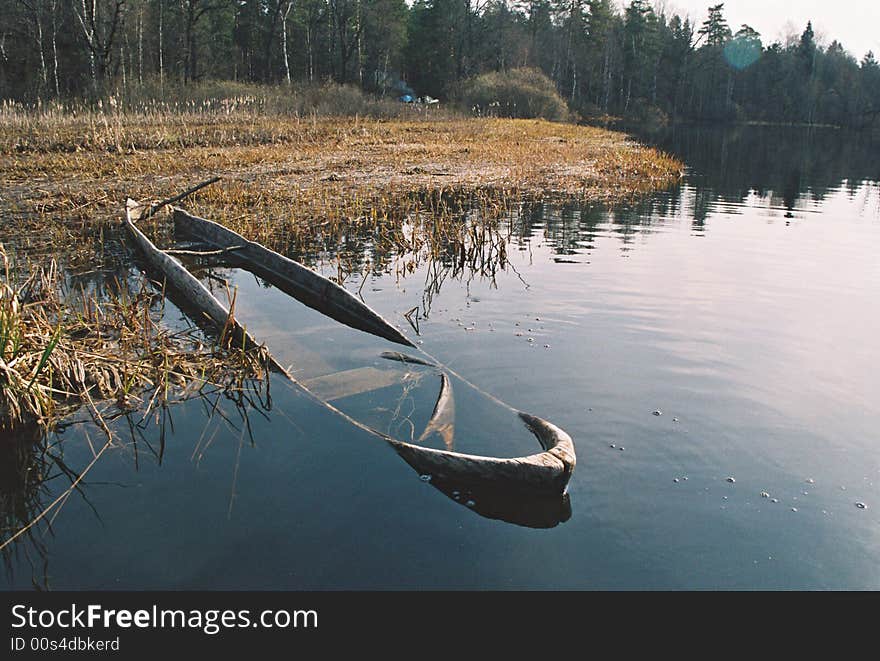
(742, 305)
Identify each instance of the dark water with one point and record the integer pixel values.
(743, 305)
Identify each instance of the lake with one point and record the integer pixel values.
(712, 350)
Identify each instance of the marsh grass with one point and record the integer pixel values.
(73, 163)
(371, 194)
(60, 351)
(113, 358)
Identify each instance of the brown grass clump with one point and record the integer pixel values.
(66, 175)
(524, 93)
(59, 353)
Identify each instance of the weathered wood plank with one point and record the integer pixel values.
(339, 385)
(442, 420)
(304, 363)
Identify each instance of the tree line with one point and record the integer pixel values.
(633, 60)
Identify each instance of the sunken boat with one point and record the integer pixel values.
(539, 479)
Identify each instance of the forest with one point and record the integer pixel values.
(633, 60)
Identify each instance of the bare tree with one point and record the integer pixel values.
(288, 8)
(278, 11)
(316, 11)
(54, 10)
(193, 12)
(100, 21)
(347, 29)
(35, 10)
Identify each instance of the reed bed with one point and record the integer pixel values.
(304, 183)
(59, 352)
(313, 165)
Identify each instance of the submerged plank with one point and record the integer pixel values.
(442, 420)
(405, 358)
(338, 385)
(306, 364)
(304, 284)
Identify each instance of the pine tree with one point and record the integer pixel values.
(715, 29)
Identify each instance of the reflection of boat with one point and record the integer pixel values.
(538, 478)
(532, 510)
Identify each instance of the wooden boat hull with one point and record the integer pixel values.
(547, 471)
(291, 277)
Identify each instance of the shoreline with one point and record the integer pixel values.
(528, 156)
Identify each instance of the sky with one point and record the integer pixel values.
(854, 23)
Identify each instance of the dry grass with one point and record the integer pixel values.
(527, 156)
(66, 175)
(433, 190)
(58, 352)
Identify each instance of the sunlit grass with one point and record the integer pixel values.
(61, 350)
(428, 190)
(65, 174)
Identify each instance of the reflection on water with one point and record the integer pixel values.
(741, 304)
(26, 464)
(789, 166)
(528, 510)
(37, 480)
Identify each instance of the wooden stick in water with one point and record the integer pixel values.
(203, 253)
(171, 200)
